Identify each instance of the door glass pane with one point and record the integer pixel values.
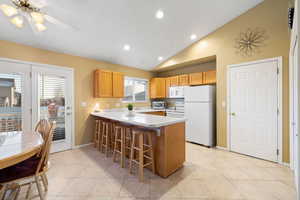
(10, 102)
(52, 102)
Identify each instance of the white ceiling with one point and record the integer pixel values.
(103, 27)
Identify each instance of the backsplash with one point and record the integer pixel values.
(111, 103)
(170, 102)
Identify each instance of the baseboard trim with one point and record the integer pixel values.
(286, 164)
(222, 148)
(82, 145)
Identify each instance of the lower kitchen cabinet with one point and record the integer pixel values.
(160, 113)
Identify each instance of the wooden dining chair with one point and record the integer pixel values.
(33, 169)
(42, 127)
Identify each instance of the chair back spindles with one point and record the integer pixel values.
(45, 151)
(42, 127)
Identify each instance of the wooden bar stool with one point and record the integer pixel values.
(144, 149)
(119, 144)
(106, 137)
(128, 140)
(97, 133)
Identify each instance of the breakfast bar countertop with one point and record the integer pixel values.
(139, 119)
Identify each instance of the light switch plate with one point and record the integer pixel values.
(223, 104)
(83, 104)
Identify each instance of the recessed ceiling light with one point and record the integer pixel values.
(126, 47)
(159, 14)
(193, 37)
(160, 58)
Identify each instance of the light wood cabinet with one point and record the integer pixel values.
(118, 85)
(196, 78)
(183, 80)
(158, 88)
(174, 81)
(210, 77)
(168, 85)
(103, 84)
(108, 84)
(160, 113)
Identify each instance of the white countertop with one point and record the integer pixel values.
(144, 110)
(137, 110)
(145, 120)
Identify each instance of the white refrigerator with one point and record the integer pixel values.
(199, 103)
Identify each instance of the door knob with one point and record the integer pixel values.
(233, 114)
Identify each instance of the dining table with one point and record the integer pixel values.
(17, 146)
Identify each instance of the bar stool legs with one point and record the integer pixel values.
(105, 141)
(128, 141)
(141, 156)
(96, 133)
(143, 148)
(119, 144)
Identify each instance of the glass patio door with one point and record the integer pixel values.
(15, 97)
(53, 101)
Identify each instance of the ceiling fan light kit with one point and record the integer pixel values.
(17, 21)
(30, 10)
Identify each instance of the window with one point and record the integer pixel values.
(136, 90)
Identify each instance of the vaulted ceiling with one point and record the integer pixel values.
(102, 27)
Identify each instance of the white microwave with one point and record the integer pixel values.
(176, 92)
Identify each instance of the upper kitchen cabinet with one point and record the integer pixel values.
(174, 81)
(118, 85)
(183, 80)
(196, 78)
(103, 83)
(210, 77)
(108, 84)
(157, 88)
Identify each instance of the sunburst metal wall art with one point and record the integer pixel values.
(250, 42)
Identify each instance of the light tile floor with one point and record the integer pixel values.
(208, 174)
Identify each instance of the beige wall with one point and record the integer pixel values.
(203, 67)
(83, 68)
(270, 15)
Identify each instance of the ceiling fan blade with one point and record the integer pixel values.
(39, 3)
(31, 23)
(58, 22)
(8, 10)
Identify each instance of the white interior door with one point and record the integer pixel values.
(53, 100)
(15, 97)
(254, 109)
(295, 115)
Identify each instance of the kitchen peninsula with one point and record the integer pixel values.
(168, 142)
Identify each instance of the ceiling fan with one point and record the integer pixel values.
(31, 11)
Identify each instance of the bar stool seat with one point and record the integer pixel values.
(144, 147)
